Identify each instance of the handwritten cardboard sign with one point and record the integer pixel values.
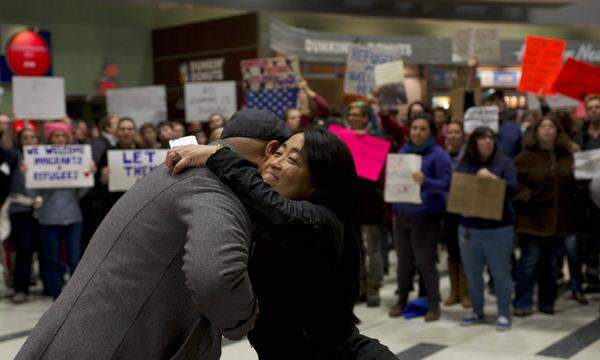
(270, 73)
(481, 116)
(389, 73)
(578, 79)
(587, 164)
(206, 98)
(369, 152)
(360, 67)
(483, 43)
(52, 166)
(472, 196)
(399, 184)
(142, 104)
(38, 98)
(129, 166)
(541, 64)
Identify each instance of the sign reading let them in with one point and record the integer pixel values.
(129, 166)
(541, 64)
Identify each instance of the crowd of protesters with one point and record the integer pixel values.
(532, 153)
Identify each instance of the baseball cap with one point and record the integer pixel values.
(256, 124)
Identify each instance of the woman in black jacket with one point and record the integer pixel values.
(305, 260)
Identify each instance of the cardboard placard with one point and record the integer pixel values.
(203, 99)
(554, 101)
(481, 116)
(129, 166)
(270, 73)
(53, 167)
(541, 64)
(360, 67)
(399, 184)
(38, 98)
(142, 104)
(472, 196)
(369, 152)
(587, 164)
(578, 79)
(483, 43)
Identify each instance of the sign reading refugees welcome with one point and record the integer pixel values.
(360, 68)
(52, 166)
(129, 166)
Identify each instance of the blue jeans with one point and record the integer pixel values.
(51, 243)
(574, 261)
(537, 265)
(494, 248)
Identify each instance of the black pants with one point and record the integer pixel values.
(415, 239)
(449, 235)
(26, 235)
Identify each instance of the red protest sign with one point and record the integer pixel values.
(578, 79)
(541, 64)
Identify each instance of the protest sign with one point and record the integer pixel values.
(129, 166)
(142, 104)
(270, 73)
(554, 101)
(482, 43)
(541, 64)
(587, 164)
(473, 196)
(360, 67)
(53, 166)
(481, 116)
(369, 152)
(205, 99)
(578, 79)
(38, 98)
(389, 73)
(399, 184)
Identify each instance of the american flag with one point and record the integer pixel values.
(275, 100)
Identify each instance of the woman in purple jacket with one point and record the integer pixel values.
(484, 241)
(417, 227)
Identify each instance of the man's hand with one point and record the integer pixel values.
(182, 157)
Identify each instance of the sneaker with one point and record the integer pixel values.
(472, 319)
(19, 298)
(503, 324)
(522, 312)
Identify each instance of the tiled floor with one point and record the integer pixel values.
(411, 339)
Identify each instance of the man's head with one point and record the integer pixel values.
(255, 134)
(109, 124)
(126, 133)
(165, 132)
(292, 119)
(178, 129)
(358, 115)
(592, 107)
(496, 97)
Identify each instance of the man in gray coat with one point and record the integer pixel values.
(165, 274)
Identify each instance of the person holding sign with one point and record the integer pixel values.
(484, 241)
(418, 226)
(60, 218)
(509, 133)
(545, 212)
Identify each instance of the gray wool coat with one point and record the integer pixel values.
(164, 277)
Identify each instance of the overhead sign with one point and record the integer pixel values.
(142, 104)
(38, 98)
(51, 166)
(205, 99)
(129, 166)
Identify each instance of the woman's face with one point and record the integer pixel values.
(440, 119)
(416, 109)
(216, 121)
(419, 132)
(287, 171)
(28, 137)
(454, 136)
(485, 146)
(547, 132)
(59, 137)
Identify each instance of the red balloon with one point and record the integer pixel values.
(28, 54)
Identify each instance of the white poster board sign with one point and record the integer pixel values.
(481, 116)
(128, 166)
(587, 164)
(38, 98)
(483, 43)
(399, 184)
(203, 99)
(53, 167)
(142, 104)
(554, 101)
(389, 73)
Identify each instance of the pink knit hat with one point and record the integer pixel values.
(51, 127)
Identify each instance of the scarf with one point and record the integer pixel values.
(410, 148)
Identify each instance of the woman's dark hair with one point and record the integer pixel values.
(471, 155)
(411, 113)
(563, 142)
(423, 116)
(333, 173)
(565, 118)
